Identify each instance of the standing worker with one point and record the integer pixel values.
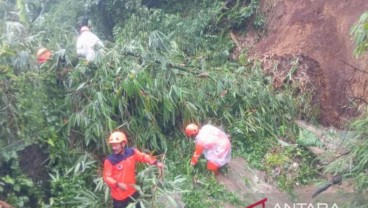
(119, 169)
(87, 42)
(213, 143)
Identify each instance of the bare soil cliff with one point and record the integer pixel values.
(317, 34)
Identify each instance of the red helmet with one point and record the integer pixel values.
(191, 130)
(117, 137)
(84, 28)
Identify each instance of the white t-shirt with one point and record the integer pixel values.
(86, 43)
(216, 144)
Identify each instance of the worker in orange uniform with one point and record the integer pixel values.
(119, 169)
(43, 55)
(213, 143)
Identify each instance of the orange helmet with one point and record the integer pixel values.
(191, 130)
(117, 137)
(41, 51)
(43, 54)
(84, 28)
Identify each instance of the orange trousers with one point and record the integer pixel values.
(212, 167)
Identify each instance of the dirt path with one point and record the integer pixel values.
(250, 186)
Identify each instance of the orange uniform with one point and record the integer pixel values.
(121, 168)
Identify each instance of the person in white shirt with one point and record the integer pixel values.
(213, 143)
(87, 42)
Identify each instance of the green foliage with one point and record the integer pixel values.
(259, 21)
(275, 159)
(70, 186)
(290, 166)
(360, 34)
(307, 138)
(354, 164)
(167, 67)
(235, 13)
(207, 192)
(15, 186)
(28, 108)
(195, 28)
(22, 12)
(357, 158)
(21, 191)
(160, 190)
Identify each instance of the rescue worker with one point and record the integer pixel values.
(213, 143)
(119, 169)
(87, 42)
(43, 55)
(59, 64)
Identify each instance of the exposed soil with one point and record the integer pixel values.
(319, 31)
(32, 161)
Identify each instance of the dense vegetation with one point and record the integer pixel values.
(167, 63)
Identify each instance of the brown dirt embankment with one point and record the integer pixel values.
(319, 30)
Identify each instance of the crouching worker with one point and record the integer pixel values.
(119, 170)
(213, 143)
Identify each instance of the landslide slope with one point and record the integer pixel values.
(318, 31)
